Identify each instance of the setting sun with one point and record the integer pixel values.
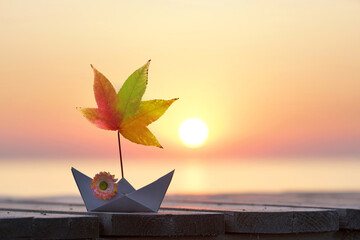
(193, 132)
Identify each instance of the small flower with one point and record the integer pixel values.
(104, 185)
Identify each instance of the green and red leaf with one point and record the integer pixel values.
(124, 111)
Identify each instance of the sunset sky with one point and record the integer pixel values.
(269, 78)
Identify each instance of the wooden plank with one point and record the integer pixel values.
(61, 226)
(346, 204)
(15, 226)
(238, 218)
(340, 235)
(265, 219)
(289, 206)
(349, 219)
(339, 200)
(50, 208)
(163, 223)
(47, 226)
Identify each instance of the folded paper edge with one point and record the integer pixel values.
(147, 187)
(141, 194)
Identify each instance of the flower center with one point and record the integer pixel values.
(103, 185)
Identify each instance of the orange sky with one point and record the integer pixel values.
(270, 78)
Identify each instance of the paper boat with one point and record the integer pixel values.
(127, 199)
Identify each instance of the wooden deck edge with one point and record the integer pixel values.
(137, 224)
(338, 235)
(276, 222)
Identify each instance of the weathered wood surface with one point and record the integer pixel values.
(333, 200)
(340, 235)
(163, 223)
(237, 216)
(170, 223)
(347, 204)
(267, 219)
(41, 225)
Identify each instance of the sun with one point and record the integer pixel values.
(193, 132)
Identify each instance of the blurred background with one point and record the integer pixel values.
(276, 83)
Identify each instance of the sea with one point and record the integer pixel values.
(53, 177)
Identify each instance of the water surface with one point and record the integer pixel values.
(33, 177)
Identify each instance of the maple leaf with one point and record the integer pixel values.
(124, 111)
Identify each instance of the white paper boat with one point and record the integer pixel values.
(127, 199)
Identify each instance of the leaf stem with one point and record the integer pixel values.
(121, 164)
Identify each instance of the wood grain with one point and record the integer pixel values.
(268, 219)
(346, 204)
(170, 223)
(163, 223)
(216, 217)
(41, 225)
